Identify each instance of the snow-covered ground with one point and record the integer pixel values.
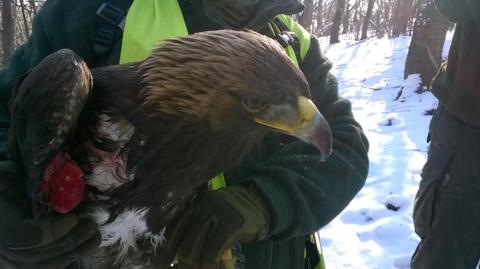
(376, 230)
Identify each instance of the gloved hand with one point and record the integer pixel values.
(51, 242)
(210, 226)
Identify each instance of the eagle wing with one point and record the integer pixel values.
(45, 107)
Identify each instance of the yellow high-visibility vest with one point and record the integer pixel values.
(147, 23)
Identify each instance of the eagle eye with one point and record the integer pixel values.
(254, 104)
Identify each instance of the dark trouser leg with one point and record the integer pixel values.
(447, 208)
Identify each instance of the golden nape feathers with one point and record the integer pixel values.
(197, 72)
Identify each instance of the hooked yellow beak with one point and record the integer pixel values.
(306, 123)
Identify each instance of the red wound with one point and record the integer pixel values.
(62, 187)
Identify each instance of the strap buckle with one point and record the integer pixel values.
(286, 38)
(112, 15)
(103, 40)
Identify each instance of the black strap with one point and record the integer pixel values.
(111, 21)
(286, 37)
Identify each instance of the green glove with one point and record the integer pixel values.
(214, 221)
(51, 242)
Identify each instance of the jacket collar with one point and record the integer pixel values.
(264, 12)
(268, 9)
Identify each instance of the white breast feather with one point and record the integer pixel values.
(125, 230)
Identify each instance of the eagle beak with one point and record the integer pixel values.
(306, 123)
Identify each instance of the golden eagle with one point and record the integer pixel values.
(148, 135)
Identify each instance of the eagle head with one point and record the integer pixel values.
(236, 82)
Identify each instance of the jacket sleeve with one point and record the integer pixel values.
(459, 10)
(302, 193)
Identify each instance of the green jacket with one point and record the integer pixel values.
(301, 193)
(457, 84)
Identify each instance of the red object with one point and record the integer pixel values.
(62, 187)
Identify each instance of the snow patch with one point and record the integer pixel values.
(402, 262)
(395, 202)
(392, 110)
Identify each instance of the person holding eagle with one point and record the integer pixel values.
(271, 201)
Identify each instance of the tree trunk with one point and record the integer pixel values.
(387, 18)
(8, 27)
(337, 21)
(327, 27)
(346, 19)
(353, 24)
(425, 52)
(33, 6)
(24, 16)
(319, 16)
(367, 19)
(356, 23)
(306, 19)
(377, 18)
(401, 17)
